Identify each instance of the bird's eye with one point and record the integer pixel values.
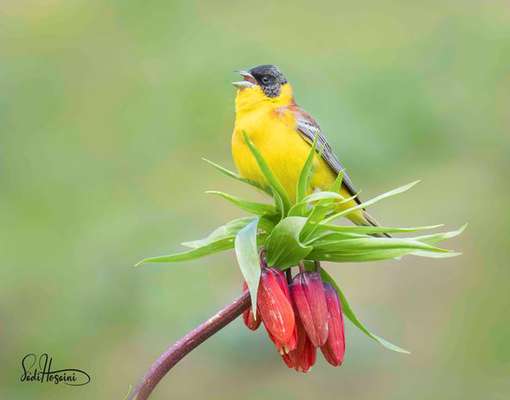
(265, 80)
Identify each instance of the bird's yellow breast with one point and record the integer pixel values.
(271, 126)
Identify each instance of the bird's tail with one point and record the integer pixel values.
(368, 220)
(363, 218)
(360, 216)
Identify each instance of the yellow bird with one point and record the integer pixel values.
(283, 133)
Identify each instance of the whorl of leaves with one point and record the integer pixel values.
(302, 230)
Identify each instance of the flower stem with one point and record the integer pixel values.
(187, 343)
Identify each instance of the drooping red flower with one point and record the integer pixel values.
(291, 344)
(284, 348)
(249, 319)
(307, 292)
(275, 307)
(303, 357)
(299, 317)
(334, 348)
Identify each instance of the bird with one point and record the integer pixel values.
(265, 110)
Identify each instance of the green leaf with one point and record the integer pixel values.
(306, 172)
(373, 244)
(298, 209)
(349, 313)
(278, 201)
(369, 230)
(238, 177)
(428, 254)
(324, 207)
(230, 229)
(323, 196)
(366, 248)
(323, 238)
(439, 237)
(318, 213)
(271, 179)
(335, 187)
(283, 247)
(249, 206)
(248, 259)
(366, 255)
(216, 246)
(371, 201)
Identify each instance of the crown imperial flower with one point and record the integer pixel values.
(308, 295)
(249, 319)
(334, 348)
(275, 307)
(303, 357)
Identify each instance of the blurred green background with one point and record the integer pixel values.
(106, 109)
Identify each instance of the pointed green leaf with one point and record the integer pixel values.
(278, 201)
(306, 172)
(340, 248)
(366, 248)
(230, 229)
(283, 247)
(323, 238)
(335, 187)
(238, 177)
(249, 206)
(369, 230)
(429, 254)
(271, 179)
(210, 248)
(323, 196)
(364, 256)
(349, 313)
(370, 243)
(298, 209)
(248, 259)
(324, 207)
(439, 237)
(371, 201)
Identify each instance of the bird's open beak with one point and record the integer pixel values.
(248, 82)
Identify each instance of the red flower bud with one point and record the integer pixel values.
(307, 292)
(249, 320)
(334, 349)
(291, 344)
(304, 356)
(275, 307)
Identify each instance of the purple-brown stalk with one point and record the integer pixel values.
(194, 338)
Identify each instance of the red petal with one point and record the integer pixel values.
(275, 308)
(292, 342)
(334, 349)
(308, 294)
(304, 356)
(288, 360)
(288, 346)
(309, 356)
(249, 320)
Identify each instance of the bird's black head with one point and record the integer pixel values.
(268, 77)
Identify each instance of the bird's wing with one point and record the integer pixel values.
(309, 129)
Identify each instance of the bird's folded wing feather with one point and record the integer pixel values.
(309, 129)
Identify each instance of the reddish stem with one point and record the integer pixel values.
(182, 347)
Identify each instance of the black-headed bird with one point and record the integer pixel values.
(283, 133)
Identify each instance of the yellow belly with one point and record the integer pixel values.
(282, 147)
